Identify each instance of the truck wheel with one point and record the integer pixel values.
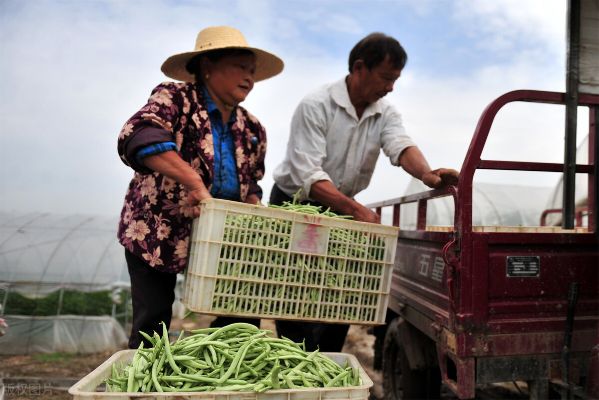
(399, 381)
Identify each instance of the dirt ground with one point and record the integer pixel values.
(48, 376)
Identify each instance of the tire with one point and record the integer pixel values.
(399, 381)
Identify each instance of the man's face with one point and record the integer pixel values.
(378, 81)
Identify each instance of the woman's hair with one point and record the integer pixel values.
(193, 65)
(374, 48)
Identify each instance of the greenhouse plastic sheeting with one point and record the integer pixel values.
(581, 193)
(68, 334)
(41, 253)
(63, 280)
(492, 205)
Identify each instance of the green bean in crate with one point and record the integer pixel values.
(270, 262)
(238, 357)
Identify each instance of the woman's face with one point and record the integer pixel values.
(231, 78)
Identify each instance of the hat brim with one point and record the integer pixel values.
(267, 64)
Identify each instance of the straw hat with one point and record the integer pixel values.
(221, 37)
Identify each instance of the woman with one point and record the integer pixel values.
(190, 142)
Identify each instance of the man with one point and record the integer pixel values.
(336, 136)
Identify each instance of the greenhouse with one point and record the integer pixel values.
(493, 204)
(581, 193)
(64, 285)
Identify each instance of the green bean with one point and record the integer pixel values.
(337, 379)
(167, 350)
(236, 387)
(207, 358)
(155, 373)
(131, 377)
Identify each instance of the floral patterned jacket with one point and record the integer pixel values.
(155, 222)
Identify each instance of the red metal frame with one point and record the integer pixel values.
(579, 214)
(473, 161)
(484, 313)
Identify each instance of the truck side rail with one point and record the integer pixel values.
(473, 160)
(421, 198)
(462, 194)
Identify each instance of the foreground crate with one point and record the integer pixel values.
(91, 386)
(263, 262)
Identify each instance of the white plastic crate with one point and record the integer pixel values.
(91, 386)
(263, 262)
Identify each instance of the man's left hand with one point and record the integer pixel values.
(440, 178)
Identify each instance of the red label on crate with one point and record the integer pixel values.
(309, 238)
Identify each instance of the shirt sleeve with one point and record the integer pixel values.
(154, 149)
(152, 124)
(307, 146)
(394, 139)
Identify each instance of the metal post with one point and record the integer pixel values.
(593, 201)
(396, 214)
(60, 298)
(572, 300)
(4, 301)
(572, 74)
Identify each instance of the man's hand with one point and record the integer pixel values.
(365, 214)
(327, 194)
(412, 160)
(440, 178)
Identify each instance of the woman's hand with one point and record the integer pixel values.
(195, 196)
(253, 199)
(172, 165)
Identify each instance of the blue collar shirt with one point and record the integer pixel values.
(225, 184)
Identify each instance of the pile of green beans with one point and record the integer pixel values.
(308, 209)
(237, 357)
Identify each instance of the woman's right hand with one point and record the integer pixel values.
(172, 165)
(195, 196)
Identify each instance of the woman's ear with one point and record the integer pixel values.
(205, 67)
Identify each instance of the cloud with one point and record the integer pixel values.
(75, 71)
(500, 24)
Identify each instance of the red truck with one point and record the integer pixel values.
(474, 305)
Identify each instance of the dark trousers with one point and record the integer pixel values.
(326, 337)
(152, 295)
(224, 321)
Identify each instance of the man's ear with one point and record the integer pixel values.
(358, 65)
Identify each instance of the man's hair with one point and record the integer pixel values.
(374, 48)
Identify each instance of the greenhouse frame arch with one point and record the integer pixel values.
(64, 285)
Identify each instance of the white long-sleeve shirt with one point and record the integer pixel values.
(327, 141)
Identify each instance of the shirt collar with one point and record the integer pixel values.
(210, 106)
(340, 95)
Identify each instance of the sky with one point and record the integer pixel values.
(73, 71)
